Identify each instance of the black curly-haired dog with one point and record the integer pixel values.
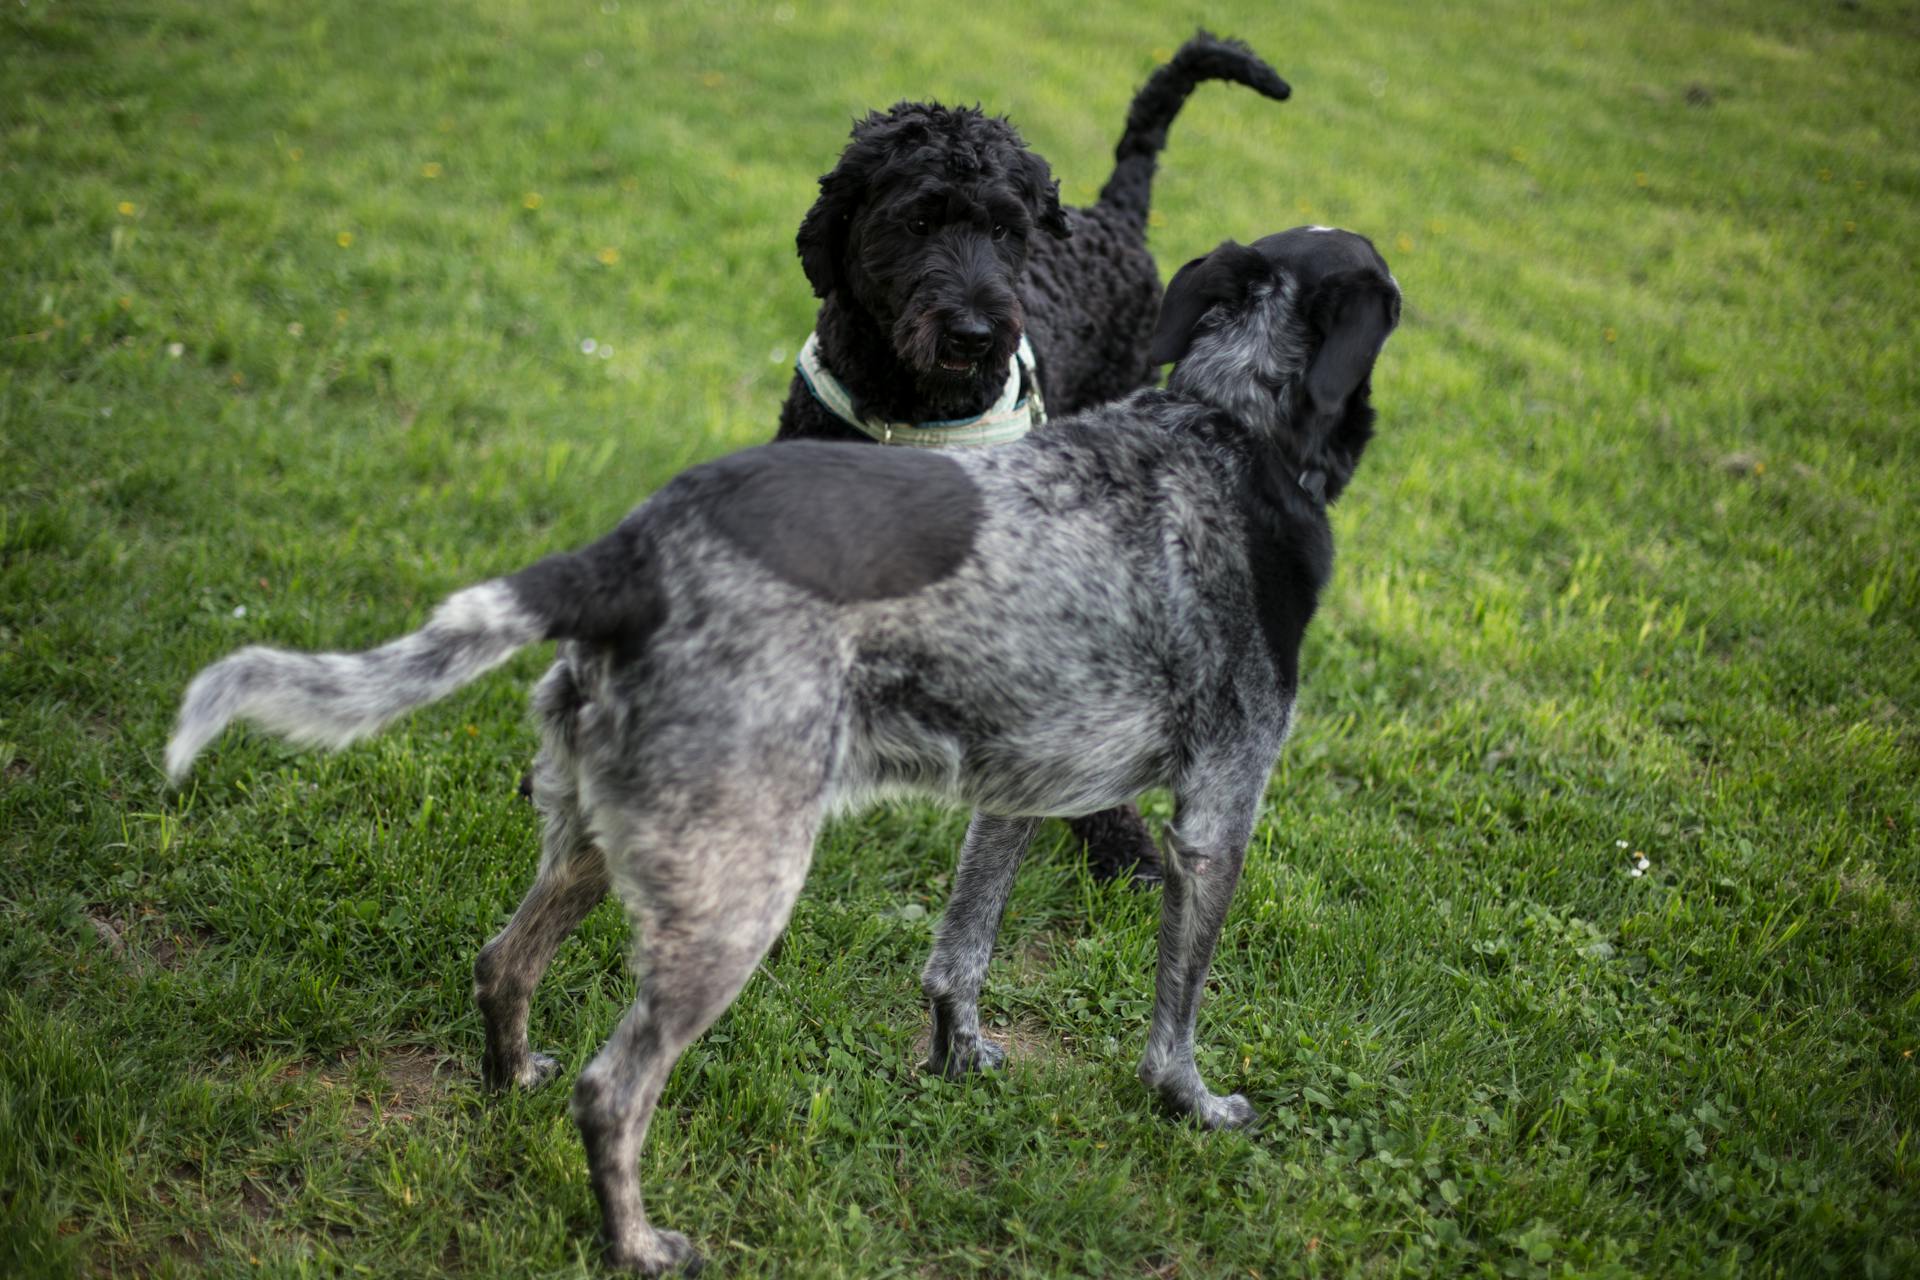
(938, 242)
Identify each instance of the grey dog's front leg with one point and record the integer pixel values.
(1206, 846)
(964, 943)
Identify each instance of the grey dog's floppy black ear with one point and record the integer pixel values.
(1223, 276)
(1354, 311)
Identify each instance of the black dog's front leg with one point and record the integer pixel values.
(1118, 845)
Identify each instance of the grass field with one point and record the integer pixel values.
(295, 304)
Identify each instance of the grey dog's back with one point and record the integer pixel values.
(1072, 570)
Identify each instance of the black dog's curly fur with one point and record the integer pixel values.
(939, 238)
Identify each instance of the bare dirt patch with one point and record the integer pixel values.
(1031, 960)
(259, 1203)
(146, 941)
(408, 1082)
(391, 1087)
(1030, 1042)
(416, 1078)
(1862, 883)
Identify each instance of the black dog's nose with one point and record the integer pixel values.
(969, 338)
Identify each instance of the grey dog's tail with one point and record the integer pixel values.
(605, 592)
(1205, 57)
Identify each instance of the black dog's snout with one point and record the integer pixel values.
(969, 337)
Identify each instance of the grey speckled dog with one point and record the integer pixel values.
(1046, 628)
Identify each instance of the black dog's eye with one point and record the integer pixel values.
(918, 226)
(999, 231)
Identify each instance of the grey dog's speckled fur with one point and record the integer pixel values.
(1117, 603)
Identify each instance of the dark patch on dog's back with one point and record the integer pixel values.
(846, 523)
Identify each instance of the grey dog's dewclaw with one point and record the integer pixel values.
(1045, 628)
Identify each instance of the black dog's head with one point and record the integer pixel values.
(1283, 334)
(925, 224)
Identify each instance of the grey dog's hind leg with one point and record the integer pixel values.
(705, 907)
(1206, 845)
(964, 943)
(571, 880)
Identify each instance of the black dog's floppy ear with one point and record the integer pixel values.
(823, 232)
(1222, 276)
(1356, 312)
(1042, 191)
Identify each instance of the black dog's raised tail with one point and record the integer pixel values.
(1205, 57)
(600, 593)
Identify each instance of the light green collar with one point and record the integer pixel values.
(1008, 418)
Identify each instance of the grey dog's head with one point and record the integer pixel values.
(925, 224)
(1283, 333)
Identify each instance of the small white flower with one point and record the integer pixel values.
(1621, 844)
(777, 356)
(606, 353)
(176, 349)
(1637, 872)
(588, 346)
(239, 611)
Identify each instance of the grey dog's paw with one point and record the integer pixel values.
(659, 1253)
(1181, 1092)
(529, 1073)
(965, 1055)
(1211, 1110)
(1230, 1112)
(540, 1068)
